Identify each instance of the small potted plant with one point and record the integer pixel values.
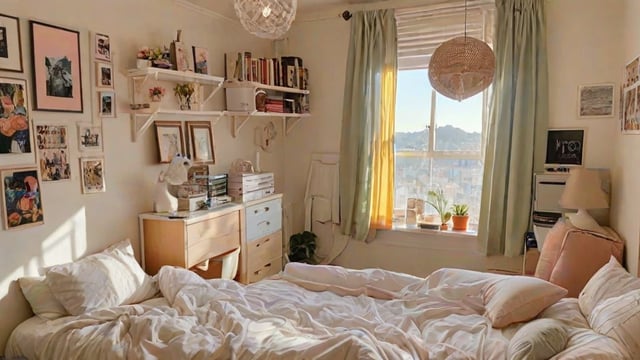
(184, 92)
(156, 93)
(460, 216)
(302, 247)
(440, 203)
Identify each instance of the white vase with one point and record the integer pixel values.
(143, 63)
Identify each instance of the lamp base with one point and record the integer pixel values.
(582, 220)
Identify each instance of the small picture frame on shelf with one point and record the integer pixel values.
(10, 46)
(107, 104)
(201, 60)
(170, 140)
(201, 149)
(92, 175)
(104, 75)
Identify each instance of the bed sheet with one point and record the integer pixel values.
(280, 319)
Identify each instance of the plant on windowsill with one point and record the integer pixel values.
(302, 247)
(440, 203)
(460, 216)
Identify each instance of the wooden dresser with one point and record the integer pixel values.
(261, 251)
(188, 241)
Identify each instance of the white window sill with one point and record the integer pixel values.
(416, 229)
(413, 236)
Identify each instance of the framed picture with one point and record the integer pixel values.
(53, 152)
(56, 68)
(89, 137)
(201, 60)
(107, 103)
(201, 142)
(15, 137)
(630, 119)
(169, 135)
(21, 198)
(10, 46)
(596, 100)
(104, 75)
(565, 147)
(92, 175)
(102, 47)
(631, 72)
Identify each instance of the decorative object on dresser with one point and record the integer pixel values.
(56, 68)
(175, 174)
(268, 19)
(261, 253)
(565, 149)
(21, 198)
(10, 46)
(583, 191)
(251, 186)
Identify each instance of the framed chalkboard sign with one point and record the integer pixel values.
(565, 147)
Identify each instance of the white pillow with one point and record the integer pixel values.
(619, 318)
(518, 298)
(611, 280)
(538, 340)
(39, 296)
(110, 278)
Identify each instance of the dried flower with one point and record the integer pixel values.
(184, 90)
(156, 91)
(156, 53)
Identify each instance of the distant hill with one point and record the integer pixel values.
(447, 138)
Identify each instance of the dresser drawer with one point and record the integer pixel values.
(263, 219)
(212, 237)
(263, 250)
(269, 268)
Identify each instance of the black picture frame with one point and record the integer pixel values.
(565, 147)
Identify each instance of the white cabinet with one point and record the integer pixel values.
(143, 118)
(261, 250)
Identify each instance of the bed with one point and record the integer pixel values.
(320, 312)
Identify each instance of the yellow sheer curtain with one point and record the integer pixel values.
(383, 157)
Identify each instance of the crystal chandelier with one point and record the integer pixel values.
(462, 67)
(269, 19)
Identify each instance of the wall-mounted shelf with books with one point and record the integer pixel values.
(142, 119)
(239, 118)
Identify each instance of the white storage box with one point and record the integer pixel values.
(251, 186)
(240, 97)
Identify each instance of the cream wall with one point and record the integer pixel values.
(77, 224)
(626, 197)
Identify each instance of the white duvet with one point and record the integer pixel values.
(372, 314)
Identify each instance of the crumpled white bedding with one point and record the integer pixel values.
(279, 319)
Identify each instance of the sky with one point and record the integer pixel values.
(413, 105)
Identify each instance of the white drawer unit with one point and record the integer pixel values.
(261, 253)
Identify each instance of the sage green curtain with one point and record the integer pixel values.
(372, 51)
(517, 125)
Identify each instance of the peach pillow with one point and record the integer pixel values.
(518, 298)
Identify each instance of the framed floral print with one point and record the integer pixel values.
(201, 142)
(21, 198)
(170, 140)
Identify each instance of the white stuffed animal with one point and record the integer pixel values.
(175, 174)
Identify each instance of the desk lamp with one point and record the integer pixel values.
(583, 191)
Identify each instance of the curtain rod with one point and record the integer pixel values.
(408, 4)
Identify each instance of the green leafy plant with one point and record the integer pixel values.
(302, 247)
(439, 202)
(460, 209)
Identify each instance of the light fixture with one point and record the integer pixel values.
(583, 191)
(462, 67)
(268, 19)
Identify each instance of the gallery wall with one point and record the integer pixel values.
(77, 224)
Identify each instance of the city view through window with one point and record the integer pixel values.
(438, 145)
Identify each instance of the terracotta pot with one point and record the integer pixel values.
(444, 227)
(460, 222)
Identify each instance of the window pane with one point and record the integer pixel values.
(459, 124)
(412, 177)
(413, 109)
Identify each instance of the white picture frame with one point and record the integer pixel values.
(596, 100)
(102, 47)
(92, 175)
(107, 103)
(104, 75)
(89, 137)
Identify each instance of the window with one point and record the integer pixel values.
(439, 142)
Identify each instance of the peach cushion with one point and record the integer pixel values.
(570, 256)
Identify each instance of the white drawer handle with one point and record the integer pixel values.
(264, 222)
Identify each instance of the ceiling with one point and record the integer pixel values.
(225, 7)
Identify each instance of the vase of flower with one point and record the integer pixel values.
(184, 92)
(156, 93)
(143, 63)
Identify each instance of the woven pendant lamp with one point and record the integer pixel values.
(462, 67)
(268, 19)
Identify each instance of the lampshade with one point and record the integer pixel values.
(268, 19)
(583, 190)
(462, 67)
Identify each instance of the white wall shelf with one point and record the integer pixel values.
(257, 85)
(239, 118)
(142, 119)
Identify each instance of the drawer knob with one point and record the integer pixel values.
(266, 208)
(255, 211)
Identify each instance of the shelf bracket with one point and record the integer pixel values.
(213, 92)
(140, 126)
(289, 123)
(238, 123)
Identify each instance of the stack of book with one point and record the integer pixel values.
(275, 105)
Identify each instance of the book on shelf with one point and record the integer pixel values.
(287, 71)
